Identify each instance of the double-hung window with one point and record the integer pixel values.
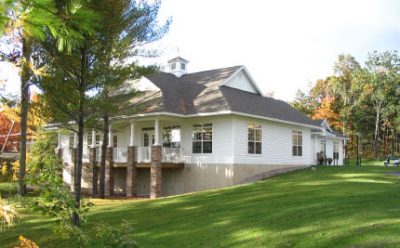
(171, 136)
(297, 143)
(335, 150)
(89, 139)
(71, 140)
(202, 138)
(254, 139)
(322, 146)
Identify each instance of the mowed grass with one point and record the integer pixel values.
(369, 161)
(328, 207)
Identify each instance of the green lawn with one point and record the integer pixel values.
(369, 161)
(329, 207)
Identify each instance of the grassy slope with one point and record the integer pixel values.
(330, 207)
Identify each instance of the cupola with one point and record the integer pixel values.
(178, 66)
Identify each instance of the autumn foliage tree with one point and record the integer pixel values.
(360, 100)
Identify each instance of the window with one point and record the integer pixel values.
(171, 136)
(98, 141)
(335, 150)
(173, 66)
(322, 146)
(254, 138)
(335, 146)
(115, 141)
(202, 138)
(183, 66)
(97, 137)
(297, 140)
(148, 133)
(71, 140)
(89, 139)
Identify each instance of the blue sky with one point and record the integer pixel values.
(285, 44)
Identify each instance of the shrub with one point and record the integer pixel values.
(8, 215)
(116, 237)
(26, 243)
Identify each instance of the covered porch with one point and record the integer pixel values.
(134, 147)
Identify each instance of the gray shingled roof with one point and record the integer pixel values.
(336, 133)
(203, 92)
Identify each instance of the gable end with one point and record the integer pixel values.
(242, 80)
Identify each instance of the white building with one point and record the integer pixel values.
(213, 129)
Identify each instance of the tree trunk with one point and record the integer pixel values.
(81, 122)
(103, 155)
(377, 120)
(25, 74)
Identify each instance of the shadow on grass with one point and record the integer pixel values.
(329, 207)
(287, 210)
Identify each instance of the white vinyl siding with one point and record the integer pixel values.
(242, 82)
(276, 143)
(222, 148)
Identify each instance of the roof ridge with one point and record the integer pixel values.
(229, 67)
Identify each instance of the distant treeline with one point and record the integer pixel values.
(361, 101)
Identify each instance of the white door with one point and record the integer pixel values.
(148, 138)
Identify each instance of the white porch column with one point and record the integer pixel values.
(157, 132)
(59, 139)
(132, 137)
(93, 139)
(110, 141)
(75, 140)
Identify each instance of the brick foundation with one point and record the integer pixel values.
(131, 176)
(155, 172)
(93, 170)
(109, 183)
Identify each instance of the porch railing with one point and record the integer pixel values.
(143, 154)
(171, 154)
(120, 154)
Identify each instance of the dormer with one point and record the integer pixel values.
(178, 66)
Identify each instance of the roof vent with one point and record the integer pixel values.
(178, 66)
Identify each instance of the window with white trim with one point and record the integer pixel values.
(99, 141)
(297, 143)
(98, 136)
(254, 138)
(335, 150)
(335, 146)
(89, 139)
(322, 146)
(71, 140)
(115, 141)
(202, 138)
(171, 136)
